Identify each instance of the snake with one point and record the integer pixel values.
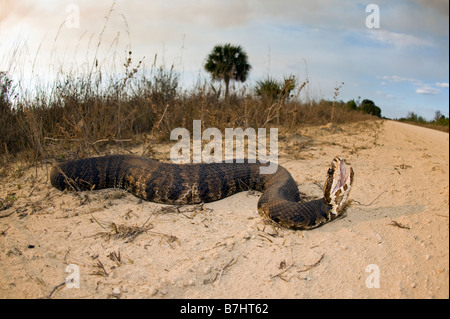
(196, 183)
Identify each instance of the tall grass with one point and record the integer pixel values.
(80, 116)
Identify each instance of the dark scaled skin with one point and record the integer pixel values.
(193, 184)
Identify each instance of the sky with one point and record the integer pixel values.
(401, 63)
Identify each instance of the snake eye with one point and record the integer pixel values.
(330, 171)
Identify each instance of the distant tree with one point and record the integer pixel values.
(440, 118)
(228, 62)
(443, 121)
(368, 106)
(352, 105)
(413, 117)
(438, 115)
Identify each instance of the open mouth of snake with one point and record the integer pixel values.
(341, 176)
(338, 185)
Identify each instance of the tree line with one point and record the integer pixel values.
(230, 63)
(439, 119)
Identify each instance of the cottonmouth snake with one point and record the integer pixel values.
(196, 183)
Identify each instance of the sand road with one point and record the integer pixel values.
(393, 241)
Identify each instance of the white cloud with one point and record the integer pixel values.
(397, 39)
(398, 79)
(422, 88)
(428, 90)
(442, 85)
(384, 95)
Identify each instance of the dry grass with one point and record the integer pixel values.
(79, 117)
(120, 231)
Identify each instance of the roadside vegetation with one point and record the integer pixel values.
(81, 112)
(439, 122)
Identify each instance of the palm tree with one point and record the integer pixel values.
(228, 62)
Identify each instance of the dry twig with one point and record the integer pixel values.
(308, 267)
(397, 224)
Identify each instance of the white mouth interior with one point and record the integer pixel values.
(341, 177)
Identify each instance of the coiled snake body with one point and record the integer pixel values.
(196, 183)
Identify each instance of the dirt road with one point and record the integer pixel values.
(392, 243)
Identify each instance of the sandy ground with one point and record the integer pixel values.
(392, 243)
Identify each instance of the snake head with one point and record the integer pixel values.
(337, 186)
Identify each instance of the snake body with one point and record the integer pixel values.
(201, 183)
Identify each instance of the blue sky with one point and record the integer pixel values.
(402, 66)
